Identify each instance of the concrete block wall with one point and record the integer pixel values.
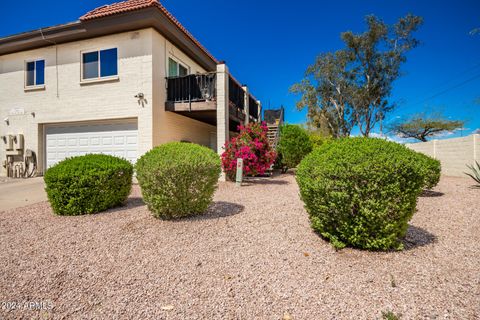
(454, 154)
(477, 147)
(427, 148)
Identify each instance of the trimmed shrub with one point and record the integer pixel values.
(178, 179)
(361, 192)
(252, 146)
(430, 168)
(294, 145)
(88, 184)
(319, 140)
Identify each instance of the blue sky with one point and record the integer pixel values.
(268, 44)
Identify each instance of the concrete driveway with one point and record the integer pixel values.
(15, 193)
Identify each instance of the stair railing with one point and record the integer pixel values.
(277, 134)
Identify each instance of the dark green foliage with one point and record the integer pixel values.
(178, 179)
(430, 169)
(88, 184)
(278, 164)
(319, 140)
(294, 145)
(361, 192)
(475, 173)
(389, 315)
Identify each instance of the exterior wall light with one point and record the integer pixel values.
(141, 99)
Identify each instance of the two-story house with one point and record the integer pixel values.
(121, 80)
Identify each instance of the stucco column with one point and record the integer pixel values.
(259, 111)
(246, 102)
(223, 129)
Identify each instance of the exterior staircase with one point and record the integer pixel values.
(274, 119)
(274, 122)
(273, 135)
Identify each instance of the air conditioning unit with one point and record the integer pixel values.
(19, 142)
(8, 140)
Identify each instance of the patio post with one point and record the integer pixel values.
(246, 99)
(223, 121)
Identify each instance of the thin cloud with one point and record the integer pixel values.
(389, 138)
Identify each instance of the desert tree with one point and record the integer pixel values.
(378, 55)
(422, 126)
(325, 91)
(351, 86)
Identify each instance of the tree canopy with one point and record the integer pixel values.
(351, 87)
(422, 127)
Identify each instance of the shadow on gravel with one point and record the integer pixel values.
(264, 181)
(219, 209)
(418, 237)
(134, 202)
(431, 194)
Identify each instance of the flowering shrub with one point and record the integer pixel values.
(252, 146)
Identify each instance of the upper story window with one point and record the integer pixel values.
(176, 69)
(99, 64)
(34, 73)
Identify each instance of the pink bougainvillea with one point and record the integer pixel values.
(252, 146)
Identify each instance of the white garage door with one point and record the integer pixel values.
(118, 139)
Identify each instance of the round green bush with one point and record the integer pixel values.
(430, 168)
(361, 192)
(88, 184)
(178, 179)
(319, 140)
(294, 145)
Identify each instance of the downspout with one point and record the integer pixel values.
(56, 56)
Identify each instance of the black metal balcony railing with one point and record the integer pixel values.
(236, 93)
(192, 88)
(203, 87)
(253, 107)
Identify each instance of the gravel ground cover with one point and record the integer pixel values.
(252, 256)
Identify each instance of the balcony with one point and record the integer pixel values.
(195, 96)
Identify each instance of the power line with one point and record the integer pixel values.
(449, 89)
(456, 76)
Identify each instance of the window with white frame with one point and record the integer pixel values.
(34, 73)
(99, 64)
(176, 69)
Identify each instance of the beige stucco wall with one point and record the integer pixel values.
(424, 147)
(477, 147)
(169, 126)
(143, 61)
(76, 101)
(454, 154)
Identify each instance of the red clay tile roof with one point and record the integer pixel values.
(132, 5)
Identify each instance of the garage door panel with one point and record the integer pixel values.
(118, 139)
(131, 140)
(72, 142)
(107, 141)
